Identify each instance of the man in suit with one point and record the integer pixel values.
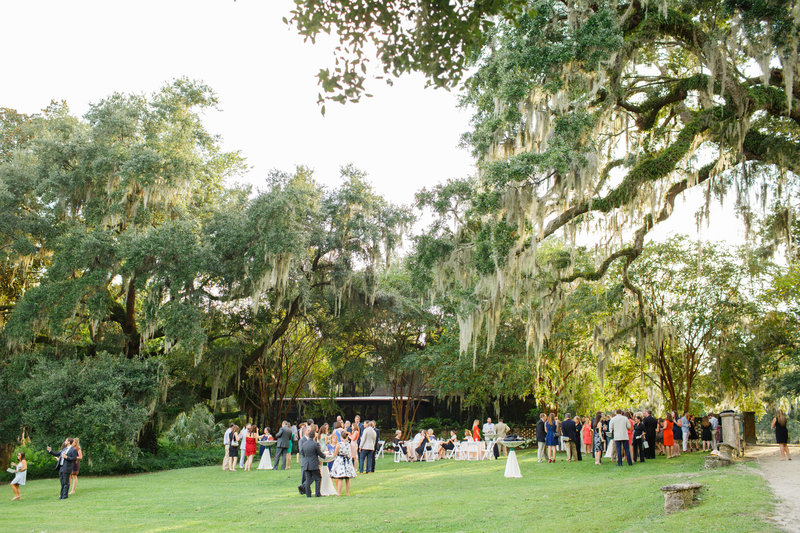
(569, 431)
(310, 454)
(366, 452)
(619, 426)
(66, 460)
(541, 435)
(650, 429)
(283, 438)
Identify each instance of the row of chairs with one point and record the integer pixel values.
(463, 450)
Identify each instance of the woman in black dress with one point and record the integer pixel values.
(638, 439)
(781, 434)
(705, 433)
(677, 433)
(693, 434)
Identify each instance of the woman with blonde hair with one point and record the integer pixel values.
(73, 478)
(781, 434)
(476, 430)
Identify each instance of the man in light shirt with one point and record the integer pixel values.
(242, 434)
(712, 419)
(488, 427)
(619, 426)
(227, 441)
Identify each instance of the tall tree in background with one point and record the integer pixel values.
(589, 116)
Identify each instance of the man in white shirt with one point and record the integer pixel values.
(712, 419)
(619, 426)
(488, 427)
(227, 441)
(242, 434)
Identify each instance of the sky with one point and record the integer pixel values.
(406, 137)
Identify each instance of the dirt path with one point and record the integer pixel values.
(784, 480)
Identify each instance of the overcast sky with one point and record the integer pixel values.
(405, 137)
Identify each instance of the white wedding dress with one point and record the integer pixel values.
(327, 487)
(265, 463)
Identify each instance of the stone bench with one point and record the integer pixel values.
(679, 496)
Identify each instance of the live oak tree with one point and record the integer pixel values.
(589, 116)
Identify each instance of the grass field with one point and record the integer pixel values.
(443, 496)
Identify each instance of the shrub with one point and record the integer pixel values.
(195, 429)
(103, 400)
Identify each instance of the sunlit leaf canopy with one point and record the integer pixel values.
(589, 116)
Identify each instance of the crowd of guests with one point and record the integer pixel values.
(346, 447)
(638, 436)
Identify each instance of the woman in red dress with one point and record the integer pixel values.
(669, 441)
(250, 445)
(476, 431)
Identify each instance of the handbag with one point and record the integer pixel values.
(235, 443)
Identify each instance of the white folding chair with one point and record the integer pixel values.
(379, 451)
(452, 452)
(432, 453)
(399, 456)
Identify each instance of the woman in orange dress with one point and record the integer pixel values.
(669, 441)
(476, 431)
(587, 435)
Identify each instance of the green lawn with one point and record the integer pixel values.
(443, 496)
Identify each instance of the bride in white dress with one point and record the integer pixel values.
(327, 488)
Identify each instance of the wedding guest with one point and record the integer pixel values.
(541, 436)
(551, 439)
(685, 431)
(693, 434)
(242, 437)
(226, 440)
(399, 443)
(588, 435)
(266, 436)
(66, 459)
(310, 454)
(669, 436)
(578, 436)
(705, 433)
(488, 427)
(233, 448)
(343, 465)
(476, 431)
(712, 419)
(250, 445)
(638, 439)
(619, 426)
(419, 444)
(500, 430)
(650, 430)
(366, 459)
(660, 438)
(73, 479)
(677, 433)
(355, 437)
(448, 445)
(781, 434)
(598, 438)
(284, 438)
(20, 475)
(570, 436)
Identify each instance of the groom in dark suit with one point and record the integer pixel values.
(310, 454)
(284, 437)
(66, 460)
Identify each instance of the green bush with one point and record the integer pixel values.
(103, 400)
(195, 429)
